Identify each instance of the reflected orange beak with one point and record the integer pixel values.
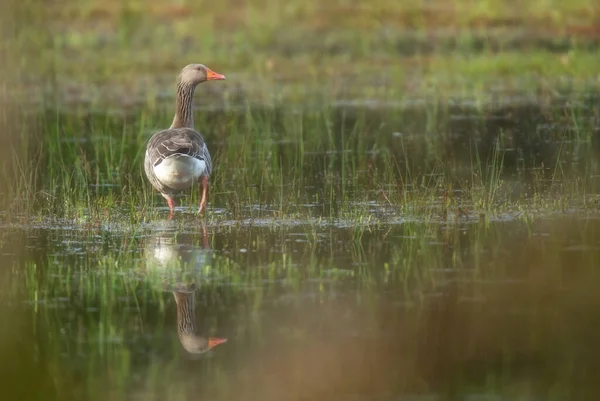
(211, 75)
(214, 341)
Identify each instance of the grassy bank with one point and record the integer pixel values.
(455, 46)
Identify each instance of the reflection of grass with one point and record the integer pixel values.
(104, 318)
(99, 325)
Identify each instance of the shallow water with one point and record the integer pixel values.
(324, 287)
(477, 311)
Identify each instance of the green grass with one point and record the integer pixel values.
(302, 165)
(319, 116)
(123, 46)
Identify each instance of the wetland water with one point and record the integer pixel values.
(377, 302)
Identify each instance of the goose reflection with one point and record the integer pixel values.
(178, 264)
(191, 341)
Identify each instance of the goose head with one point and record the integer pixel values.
(194, 74)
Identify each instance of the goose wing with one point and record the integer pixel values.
(176, 141)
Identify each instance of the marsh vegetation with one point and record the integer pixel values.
(404, 201)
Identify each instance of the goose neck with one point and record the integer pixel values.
(184, 116)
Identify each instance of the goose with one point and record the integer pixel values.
(178, 157)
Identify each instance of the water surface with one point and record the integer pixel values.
(500, 310)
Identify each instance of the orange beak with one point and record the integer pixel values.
(211, 75)
(214, 341)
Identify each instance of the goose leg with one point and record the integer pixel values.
(204, 181)
(171, 203)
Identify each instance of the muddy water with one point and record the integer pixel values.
(504, 310)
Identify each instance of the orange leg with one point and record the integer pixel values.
(204, 181)
(171, 203)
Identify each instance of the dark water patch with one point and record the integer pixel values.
(387, 40)
(490, 42)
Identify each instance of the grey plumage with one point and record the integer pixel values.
(173, 142)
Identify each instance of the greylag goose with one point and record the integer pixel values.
(178, 157)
